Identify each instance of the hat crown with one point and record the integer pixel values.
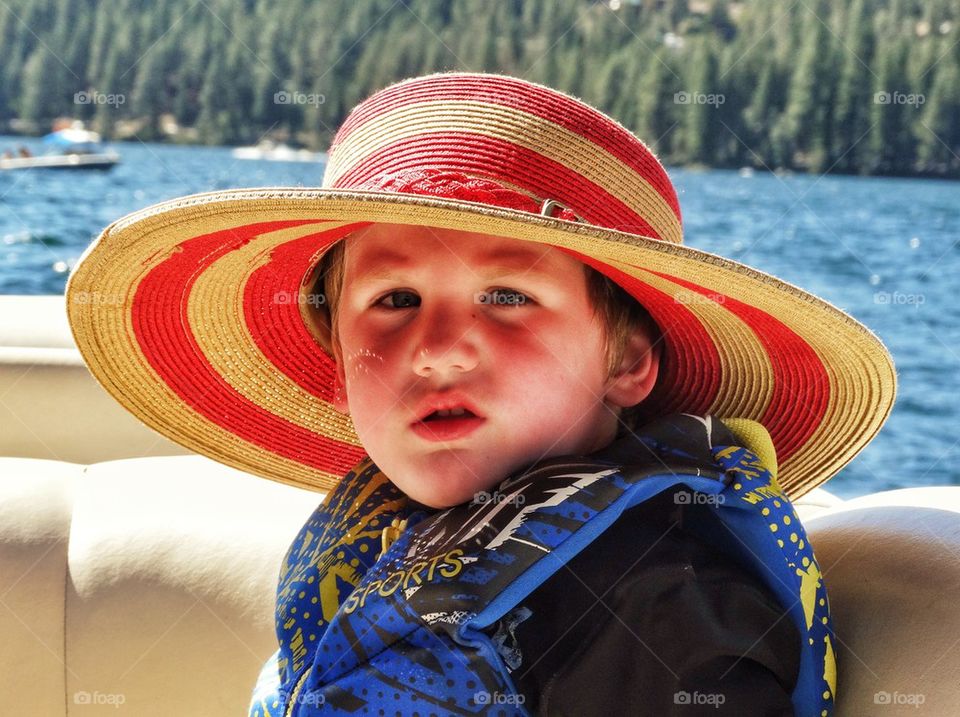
(505, 142)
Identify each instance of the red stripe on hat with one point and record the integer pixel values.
(272, 312)
(516, 94)
(489, 157)
(161, 327)
(690, 365)
(801, 385)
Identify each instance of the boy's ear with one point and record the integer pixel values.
(637, 373)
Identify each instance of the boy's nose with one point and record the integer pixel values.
(445, 346)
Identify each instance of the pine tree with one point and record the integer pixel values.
(854, 87)
(697, 104)
(938, 132)
(100, 42)
(804, 122)
(265, 72)
(212, 123)
(188, 79)
(114, 81)
(572, 71)
(616, 87)
(148, 97)
(10, 68)
(760, 116)
(487, 60)
(891, 143)
(36, 105)
(732, 143)
(656, 123)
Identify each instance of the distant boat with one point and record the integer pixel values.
(62, 161)
(273, 152)
(71, 148)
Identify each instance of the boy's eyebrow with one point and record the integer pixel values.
(501, 263)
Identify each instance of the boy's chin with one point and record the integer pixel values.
(440, 493)
(440, 500)
(433, 504)
(441, 481)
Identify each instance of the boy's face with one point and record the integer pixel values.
(411, 329)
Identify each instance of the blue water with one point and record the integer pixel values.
(885, 250)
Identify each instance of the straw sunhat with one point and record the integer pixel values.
(191, 313)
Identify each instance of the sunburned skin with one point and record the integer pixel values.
(528, 359)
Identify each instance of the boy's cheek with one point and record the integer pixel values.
(352, 371)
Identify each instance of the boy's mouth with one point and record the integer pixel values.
(445, 406)
(446, 418)
(449, 413)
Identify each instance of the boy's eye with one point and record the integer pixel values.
(405, 302)
(503, 297)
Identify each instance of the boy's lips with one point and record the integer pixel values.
(446, 428)
(445, 402)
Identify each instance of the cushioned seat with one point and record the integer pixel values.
(148, 581)
(50, 405)
(892, 565)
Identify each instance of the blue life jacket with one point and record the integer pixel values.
(366, 624)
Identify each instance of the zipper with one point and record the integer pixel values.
(388, 536)
(296, 692)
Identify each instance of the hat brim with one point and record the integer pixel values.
(190, 314)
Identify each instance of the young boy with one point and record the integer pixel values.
(542, 375)
(485, 338)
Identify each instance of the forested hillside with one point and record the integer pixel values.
(860, 86)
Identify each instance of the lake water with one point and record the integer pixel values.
(884, 250)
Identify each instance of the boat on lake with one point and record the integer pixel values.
(271, 151)
(70, 148)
